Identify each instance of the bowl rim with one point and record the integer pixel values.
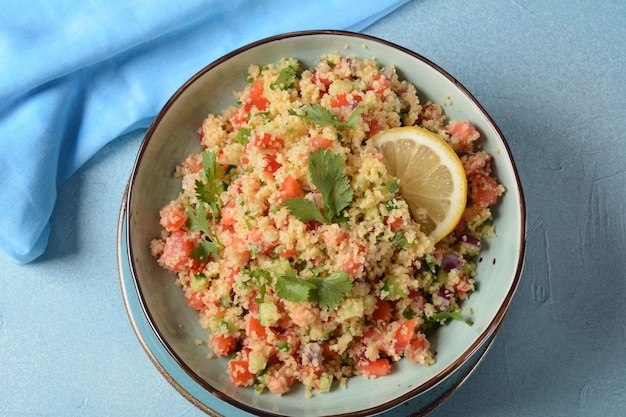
(491, 329)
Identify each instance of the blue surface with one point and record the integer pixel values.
(550, 73)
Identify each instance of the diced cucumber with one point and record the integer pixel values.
(268, 314)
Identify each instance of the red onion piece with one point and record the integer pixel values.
(472, 241)
(451, 261)
(442, 301)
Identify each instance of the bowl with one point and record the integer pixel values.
(173, 136)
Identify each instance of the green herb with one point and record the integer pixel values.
(454, 315)
(293, 288)
(394, 186)
(243, 135)
(322, 116)
(408, 314)
(330, 291)
(328, 174)
(207, 191)
(204, 251)
(285, 78)
(284, 346)
(327, 292)
(400, 240)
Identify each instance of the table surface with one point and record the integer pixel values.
(550, 73)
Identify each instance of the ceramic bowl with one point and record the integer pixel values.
(173, 136)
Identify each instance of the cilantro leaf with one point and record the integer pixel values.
(290, 287)
(328, 173)
(322, 116)
(198, 221)
(330, 291)
(204, 251)
(304, 209)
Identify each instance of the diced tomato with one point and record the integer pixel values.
(193, 164)
(256, 98)
(229, 214)
(382, 311)
(255, 329)
(351, 265)
(380, 84)
(267, 141)
(223, 344)
(418, 345)
(288, 253)
(463, 286)
(429, 112)
(272, 164)
(194, 300)
(396, 224)
(373, 124)
(379, 367)
(320, 142)
(173, 217)
(405, 333)
(230, 280)
(239, 117)
(315, 79)
(339, 100)
(483, 190)
(327, 351)
(178, 246)
(290, 188)
(239, 374)
(310, 370)
(463, 129)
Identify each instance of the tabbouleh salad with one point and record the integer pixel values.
(293, 242)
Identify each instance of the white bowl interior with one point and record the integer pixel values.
(173, 137)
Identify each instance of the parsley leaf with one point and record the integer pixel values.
(322, 116)
(204, 251)
(304, 209)
(198, 221)
(331, 290)
(328, 174)
(243, 136)
(292, 288)
(328, 292)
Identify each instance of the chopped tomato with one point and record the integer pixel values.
(405, 333)
(290, 188)
(463, 286)
(178, 246)
(339, 100)
(320, 142)
(382, 311)
(194, 300)
(239, 117)
(463, 129)
(379, 367)
(256, 98)
(483, 190)
(272, 164)
(395, 224)
(239, 373)
(373, 124)
(229, 214)
(351, 265)
(380, 84)
(173, 217)
(325, 81)
(288, 253)
(418, 345)
(223, 344)
(193, 164)
(255, 329)
(267, 141)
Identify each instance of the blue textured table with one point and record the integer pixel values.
(550, 73)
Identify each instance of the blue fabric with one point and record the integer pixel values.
(76, 75)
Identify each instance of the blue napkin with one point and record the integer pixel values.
(76, 75)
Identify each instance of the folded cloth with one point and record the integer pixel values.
(76, 75)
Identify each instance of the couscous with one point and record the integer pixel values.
(293, 241)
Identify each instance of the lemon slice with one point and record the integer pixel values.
(432, 178)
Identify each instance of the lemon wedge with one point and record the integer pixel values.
(432, 178)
